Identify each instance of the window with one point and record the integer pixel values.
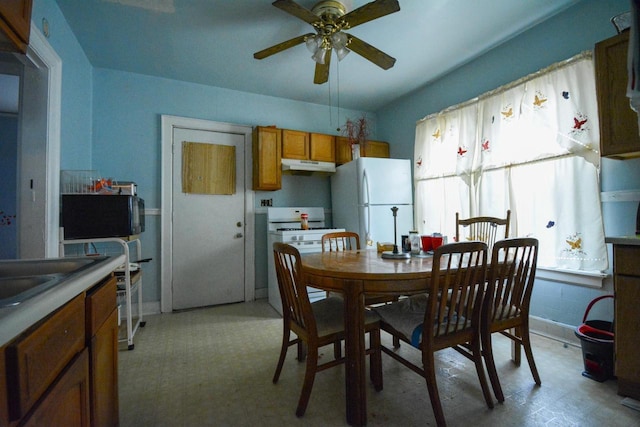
(531, 146)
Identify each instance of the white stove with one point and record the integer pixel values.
(283, 225)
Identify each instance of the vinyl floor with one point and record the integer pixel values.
(213, 367)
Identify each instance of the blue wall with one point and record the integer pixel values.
(77, 91)
(8, 171)
(111, 122)
(575, 30)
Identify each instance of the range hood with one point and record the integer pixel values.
(307, 166)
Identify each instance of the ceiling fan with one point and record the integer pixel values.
(330, 18)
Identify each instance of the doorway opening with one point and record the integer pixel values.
(37, 157)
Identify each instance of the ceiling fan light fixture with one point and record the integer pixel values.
(312, 43)
(342, 52)
(320, 55)
(339, 40)
(329, 18)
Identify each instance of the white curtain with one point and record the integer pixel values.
(532, 147)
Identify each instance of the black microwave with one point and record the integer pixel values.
(87, 216)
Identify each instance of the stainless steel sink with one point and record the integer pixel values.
(46, 266)
(14, 290)
(24, 279)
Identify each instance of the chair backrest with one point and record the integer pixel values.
(296, 306)
(340, 241)
(512, 272)
(483, 228)
(458, 279)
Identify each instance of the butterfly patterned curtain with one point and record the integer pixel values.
(531, 147)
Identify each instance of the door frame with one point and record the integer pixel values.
(169, 123)
(38, 233)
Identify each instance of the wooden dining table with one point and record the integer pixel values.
(355, 274)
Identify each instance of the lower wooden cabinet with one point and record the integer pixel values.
(63, 371)
(66, 403)
(627, 318)
(102, 342)
(38, 356)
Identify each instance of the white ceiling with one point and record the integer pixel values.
(212, 42)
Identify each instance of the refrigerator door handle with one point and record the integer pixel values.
(367, 226)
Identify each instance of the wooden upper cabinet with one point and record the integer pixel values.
(15, 25)
(375, 149)
(295, 144)
(343, 150)
(322, 147)
(368, 149)
(267, 158)
(619, 137)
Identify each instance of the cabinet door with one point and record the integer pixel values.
(343, 150)
(4, 409)
(103, 369)
(67, 402)
(15, 25)
(295, 144)
(36, 358)
(322, 147)
(375, 149)
(619, 136)
(267, 159)
(627, 335)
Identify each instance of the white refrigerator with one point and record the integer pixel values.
(363, 192)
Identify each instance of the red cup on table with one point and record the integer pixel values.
(426, 243)
(436, 242)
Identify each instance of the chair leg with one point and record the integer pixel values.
(309, 377)
(302, 351)
(375, 359)
(337, 349)
(487, 351)
(526, 343)
(396, 342)
(286, 332)
(428, 361)
(477, 359)
(517, 353)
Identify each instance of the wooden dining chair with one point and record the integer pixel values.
(512, 272)
(483, 228)
(348, 241)
(340, 241)
(315, 324)
(452, 311)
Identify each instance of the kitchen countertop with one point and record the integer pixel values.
(623, 240)
(16, 319)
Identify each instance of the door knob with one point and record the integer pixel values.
(238, 235)
(238, 224)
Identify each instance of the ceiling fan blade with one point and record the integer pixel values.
(322, 70)
(370, 11)
(281, 46)
(369, 52)
(296, 10)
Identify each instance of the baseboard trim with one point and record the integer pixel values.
(148, 308)
(537, 325)
(262, 293)
(554, 330)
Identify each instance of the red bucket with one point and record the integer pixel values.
(596, 338)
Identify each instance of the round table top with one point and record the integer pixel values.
(366, 264)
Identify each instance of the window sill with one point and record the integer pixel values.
(590, 279)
